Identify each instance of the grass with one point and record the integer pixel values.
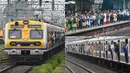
(3, 54)
(54, 65)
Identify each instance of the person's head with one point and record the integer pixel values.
(126, 41)
(106, 42)
(111, 42)
(114, 42)
(118, 41)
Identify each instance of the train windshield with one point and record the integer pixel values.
(14, 34)
(36, 34)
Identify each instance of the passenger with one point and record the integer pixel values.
(119, 15)
(69, 23)
(77, 22)
(111, 18)
(106, 49)
(105, 18)
(115, 17)
(82, 49)
(66, 25)
(98, 19)
(80, 22)
(102, 19)
(84, 22)
(127, 15)
(74, 26)
(117, 49)
(94, 20)
(111, 49)
(90, 21)
(92, 50)
(125, 49)
(54, 38)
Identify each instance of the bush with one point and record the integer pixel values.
(59, 70)
(53, 65)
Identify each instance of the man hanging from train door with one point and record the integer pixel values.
(106, 49)
(112, 49)
(117, 49)
(125, 49)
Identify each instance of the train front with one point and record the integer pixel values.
(25, 40)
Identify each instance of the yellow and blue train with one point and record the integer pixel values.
(31, 38)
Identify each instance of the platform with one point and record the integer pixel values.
(95, 28)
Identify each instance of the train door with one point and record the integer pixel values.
(124, 50)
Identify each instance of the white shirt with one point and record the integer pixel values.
(106, 48)
(112, 47)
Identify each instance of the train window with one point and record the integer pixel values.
(36, 34)
(34, 26)
(19, 26)
(14, 34)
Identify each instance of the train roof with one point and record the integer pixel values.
(40, 22)
(100, 39)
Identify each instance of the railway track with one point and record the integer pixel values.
(4, 60)
(68, 69)
(72, 67)
(17, 69)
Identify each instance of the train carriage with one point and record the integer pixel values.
(31, 38)
(104, 47)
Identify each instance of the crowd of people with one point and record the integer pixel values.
(95, 18)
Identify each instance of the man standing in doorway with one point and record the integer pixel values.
(125, 49)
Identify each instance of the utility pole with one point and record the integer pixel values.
(53, 5)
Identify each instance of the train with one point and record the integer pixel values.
(28, 39)
(111, 48)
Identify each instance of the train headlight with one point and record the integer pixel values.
(26, 22)
(36, 52)
(32, 46)
(13, 44)
(37, 44)
(18, 45)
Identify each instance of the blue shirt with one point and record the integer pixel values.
(125, 49)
